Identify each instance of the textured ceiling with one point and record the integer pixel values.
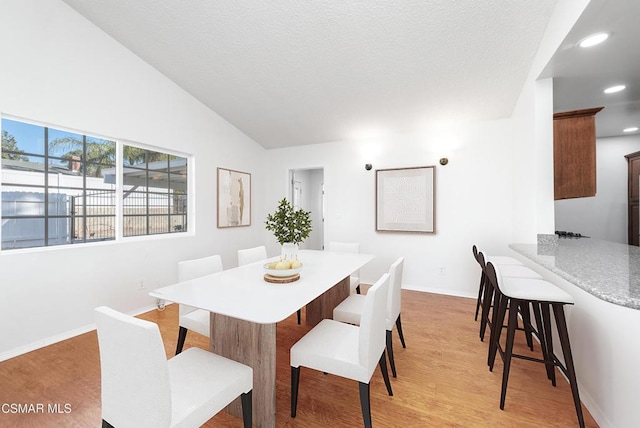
(294, 72)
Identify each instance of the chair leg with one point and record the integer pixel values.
(298, 316)
(358, 289)
(526, 321)
(546, 319)
(385, 373)
(563, 333)
(247, 408)
(543, 341)
(511, 332)
(489, 295)
(365, 403)
(390, 352)
(499, 311)
(295, 380)
(480, 292)
(182, 335)
(399, 327)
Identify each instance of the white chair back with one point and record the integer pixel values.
(395, 292)
(372, 323)
(134, 372)
(251, 255)
(190, 269)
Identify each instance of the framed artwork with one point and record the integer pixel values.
(405, 199)
(234, 198)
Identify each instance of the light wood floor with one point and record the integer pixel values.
(443, 379)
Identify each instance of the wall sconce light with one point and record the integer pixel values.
(368, 166)
(444, 161)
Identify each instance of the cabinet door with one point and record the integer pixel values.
(634, 192)
(574, 154)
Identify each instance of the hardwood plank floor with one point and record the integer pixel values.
(443, 379)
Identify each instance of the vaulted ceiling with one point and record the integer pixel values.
(295, 72)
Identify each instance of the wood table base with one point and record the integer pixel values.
(254, 345)
(322, 306)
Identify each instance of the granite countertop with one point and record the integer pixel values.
(608, 270)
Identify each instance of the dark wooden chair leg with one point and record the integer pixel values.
(385, 373)
(511, 332)
(182, 335)
(546, 319)
(499, 311)
(295, 380)
(399, 327)
(543, 340)
(489, 296)
(358, 289)
(365, 403)
(480, 293)
(392, 363)
(299, 316)
(526, 321)
(563, 334)
(247, 409)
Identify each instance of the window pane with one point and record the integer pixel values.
(101, 151)
(155, 186)
(63, 144)
(30, 172)
(101, 228)
(158, 224)
(59, 231)
(134, 225)
(22, 233)
(19, 139)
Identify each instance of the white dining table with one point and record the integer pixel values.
(245, 310)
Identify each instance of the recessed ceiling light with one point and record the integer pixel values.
(614, 89)
(631, 129)
(592, 40)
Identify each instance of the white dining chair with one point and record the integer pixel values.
(191, 318)
(250, 255)
(350, 309)
(141, 388)
(348, 247)
(347, 350)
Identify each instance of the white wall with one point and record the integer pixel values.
(479, 159)
(59, 69)
(605, 215)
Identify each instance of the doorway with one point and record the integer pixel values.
(306, 190)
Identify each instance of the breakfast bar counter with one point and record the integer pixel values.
(608, 270)
(604, 323)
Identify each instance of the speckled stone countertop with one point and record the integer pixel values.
(608, 270)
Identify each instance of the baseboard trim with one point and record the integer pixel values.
(21, 350)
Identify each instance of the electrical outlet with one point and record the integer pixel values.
(141, 285)
(442, 271)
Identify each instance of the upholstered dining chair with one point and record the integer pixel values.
(350, 309)
(347, 350)
(191, 318)
(348, 247)
(250, 255)
(141, 388)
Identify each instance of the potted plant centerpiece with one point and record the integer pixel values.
(290, 227)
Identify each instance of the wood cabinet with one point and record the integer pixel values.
(634, 190)
(574, 153)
